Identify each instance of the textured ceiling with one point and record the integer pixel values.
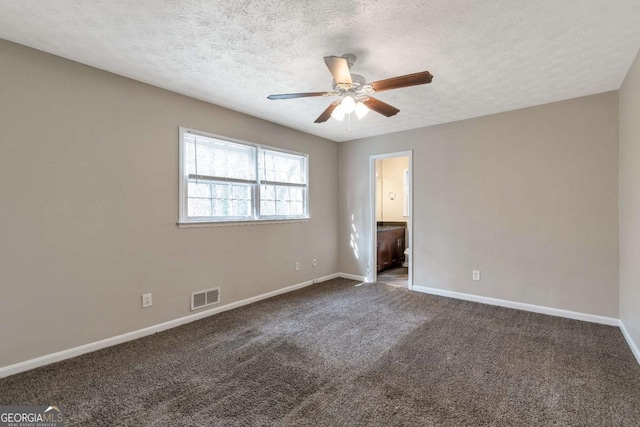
(487, 56)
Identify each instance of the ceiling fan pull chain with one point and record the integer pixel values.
(349, 121)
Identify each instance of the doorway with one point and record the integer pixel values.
(391, 210)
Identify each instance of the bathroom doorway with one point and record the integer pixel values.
(391, 184)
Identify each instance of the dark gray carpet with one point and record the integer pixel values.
(339, 355)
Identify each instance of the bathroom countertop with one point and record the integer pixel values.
(390, 227)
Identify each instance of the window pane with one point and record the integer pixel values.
(219, 199)
(199, 189)
(281, 200)
(277, 166)
(268, 192)
(241, 192)
(282, 208)
(220, 207)
(199, 207)
(221, 191)
(220, 159)
(282, 193)
(267, 208)
(243, 208)
(295, 193)
(296, 208)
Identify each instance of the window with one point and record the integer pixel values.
(226, 180)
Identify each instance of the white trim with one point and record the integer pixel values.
(182, 181)
(521, 306)
(352, 277)
(630, 342)
(372, 275)
(327, 277)
(240, 141)
(200, 224)
(410, 222)
(37, 362)
(48, 359)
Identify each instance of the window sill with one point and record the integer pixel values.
(198, 224)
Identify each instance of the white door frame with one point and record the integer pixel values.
(373, 232)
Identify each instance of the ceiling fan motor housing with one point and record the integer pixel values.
(358, 86)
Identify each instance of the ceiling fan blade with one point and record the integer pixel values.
(402, 81)
(327, 113)
(299, 95)
(339, 69)
(381, 107)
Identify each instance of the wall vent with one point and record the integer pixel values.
(205, 298)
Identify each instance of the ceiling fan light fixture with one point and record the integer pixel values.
(338, 112)
(348, 104)
(353, 88)
(361, 109)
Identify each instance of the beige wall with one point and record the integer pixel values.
(390, 180)
(528, 197)
(89, 204)
(630, 201)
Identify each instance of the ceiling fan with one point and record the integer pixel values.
(355, 91)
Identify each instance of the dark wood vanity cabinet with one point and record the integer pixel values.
(390, 248)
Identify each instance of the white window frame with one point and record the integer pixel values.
(184, 220)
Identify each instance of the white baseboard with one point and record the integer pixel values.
(327, 277)
(352, 277)
(37, 362)
(521, 306)
(632, 344)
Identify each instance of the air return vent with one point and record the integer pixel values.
(205, 298)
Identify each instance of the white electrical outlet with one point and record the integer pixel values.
(146, 301)
(315, 262)
(476, 275)
(297, 265)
